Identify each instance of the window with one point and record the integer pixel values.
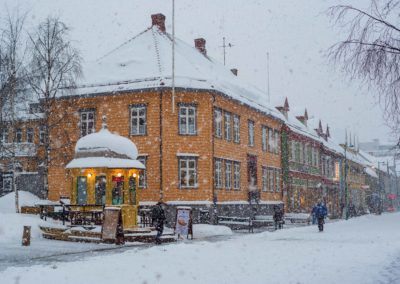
(87, 122)
(18, 135)
(293, 150)
(143, 175)
(100, 190)
(271, 179)
(297, 151)
(271, 146)
(236, 128)
(42, 135)
(276, 141)
(138, 120)
(4, 135)
(218, 173)
(7, 182)
(187, 120)
(264, 138)
(187, 172)
(29, 135)
(228, 174)
(218, 122)
(277, 180)
(264, 179)
(236, 175)
(81, 197)
(251, 132)
(227, 126)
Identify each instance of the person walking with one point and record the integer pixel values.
(321, 213)
(278, 217)
(158, 219)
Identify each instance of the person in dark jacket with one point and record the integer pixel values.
(321, 213)
(278, 217)
(158, 219)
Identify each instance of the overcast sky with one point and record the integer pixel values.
(296, 33)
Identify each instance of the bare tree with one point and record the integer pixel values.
(371, 50)
(54, 68)
(11, 85)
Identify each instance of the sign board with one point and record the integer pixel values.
(184, 224)
(112, 218)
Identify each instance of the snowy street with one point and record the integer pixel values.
(361, 250)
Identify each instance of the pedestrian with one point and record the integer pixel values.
(314, 214)
(321, 213)
(158, 219)
(278, 217)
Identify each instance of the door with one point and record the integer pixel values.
(100, 190)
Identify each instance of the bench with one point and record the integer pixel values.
(236, 223)
(263, 221)
(298, 218)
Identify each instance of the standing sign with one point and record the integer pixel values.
(112, 219)
(183, 224)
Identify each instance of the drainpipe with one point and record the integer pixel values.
(161, 148)
(214, 196)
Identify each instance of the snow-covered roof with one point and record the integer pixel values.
(105, 149)
(144, 62)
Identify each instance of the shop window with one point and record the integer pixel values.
(187, 119)
(81, 190)
(236, 128)
(132, 190)
(138, 120)
(251, 132)
(227, 126)
(117, 191)
(187, 172)
(228, 174)
(236, 175)
(217, 122)
(100, 190)
(218, 173)
(87, 122)
(29, 135)
(143, 174)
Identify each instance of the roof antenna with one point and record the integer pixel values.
(268, 93)
(224, 46)
(173, 56)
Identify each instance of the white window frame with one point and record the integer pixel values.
(18, 135)
(4, 135)
(277, 180)
(185, 172)
(187, 122)
(85, 122)
(137, 128)
(218, 182)
(30, 135)
(218, 122)
(236, 128)
(228, 174)
(264, 179)
(271, 146)
(251, 126)
(271, 177)
(276, 141)
(264, 131)
(236, 175)
(42, 135)
(227, 126)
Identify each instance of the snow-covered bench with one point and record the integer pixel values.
(298, 218)
(236, 222)
(263, 220)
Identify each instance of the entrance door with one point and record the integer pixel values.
(81, 190)
(100, 190)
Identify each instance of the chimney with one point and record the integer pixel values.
(200, 44)
(234, 71)
(159, 21)
(319, 130)
(303, 118)
(284, 109)
(327, 133)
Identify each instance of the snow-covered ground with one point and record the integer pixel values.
(361, 250)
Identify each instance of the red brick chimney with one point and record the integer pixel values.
(200, 44)
(234, 71)
(159, 21)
